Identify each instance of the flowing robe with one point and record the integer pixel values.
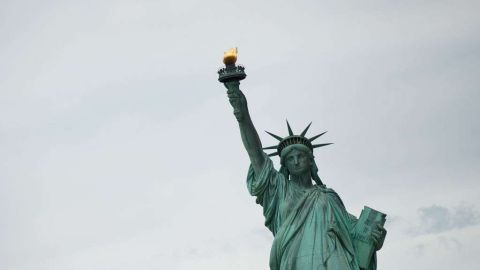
(312, 229)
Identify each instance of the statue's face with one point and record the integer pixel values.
(298, 162)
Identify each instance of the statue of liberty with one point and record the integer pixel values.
(311, 227)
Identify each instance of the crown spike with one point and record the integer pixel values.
(275, 136)
(273, 154)
(305, 130)
(290, 132)
(270, 147)
(316, 136)
(320, 145)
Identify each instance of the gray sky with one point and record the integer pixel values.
(119, 149)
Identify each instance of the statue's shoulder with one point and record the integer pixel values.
(325, 189)
(331, 194)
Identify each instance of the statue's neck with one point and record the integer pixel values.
(304, 180)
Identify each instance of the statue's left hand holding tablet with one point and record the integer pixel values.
(378, 236)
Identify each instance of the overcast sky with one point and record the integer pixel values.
(119, 149)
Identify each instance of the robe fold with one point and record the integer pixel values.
(311, 227)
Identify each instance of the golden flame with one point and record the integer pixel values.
(230, 56)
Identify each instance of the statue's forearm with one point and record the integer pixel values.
(249, 134)
(252, 142)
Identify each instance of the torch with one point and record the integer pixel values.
(231, 72)
(230, 76)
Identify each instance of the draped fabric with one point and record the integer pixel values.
(311, 227)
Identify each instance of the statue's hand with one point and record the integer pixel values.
(378, 236)
(237, 100)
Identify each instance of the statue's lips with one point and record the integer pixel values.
(299, 168)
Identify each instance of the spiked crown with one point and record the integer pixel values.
(294, 139)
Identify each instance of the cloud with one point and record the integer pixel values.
(437, 219)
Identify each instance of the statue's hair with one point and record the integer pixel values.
(313, 169)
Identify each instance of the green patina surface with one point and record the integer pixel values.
(312, 228)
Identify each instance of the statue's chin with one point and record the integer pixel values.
(298, 173)
(299, 170)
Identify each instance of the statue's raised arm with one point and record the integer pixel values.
(249, 134)
(230, 76)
